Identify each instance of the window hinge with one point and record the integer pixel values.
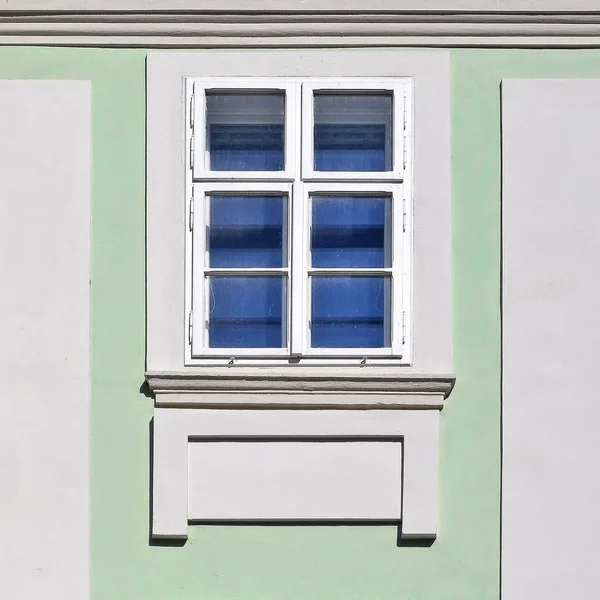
(190, 327)
(191, 217)
(403, 327)
(193, 107)
(403, 214)
(405, 124)
(191, 152)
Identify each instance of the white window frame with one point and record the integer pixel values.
(399, 272)
(198, 87)
(401, 92)
(198, 272)
(298, 182)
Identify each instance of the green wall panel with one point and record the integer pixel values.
(292, 562)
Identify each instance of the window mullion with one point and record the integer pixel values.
(398, 287)
(298, 269)
(296, 309)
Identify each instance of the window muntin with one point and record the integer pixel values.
(302, 263)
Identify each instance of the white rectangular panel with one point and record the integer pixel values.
(295, 480)
(44, 349)
(551, 339)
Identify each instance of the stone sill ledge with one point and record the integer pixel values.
(300, 387)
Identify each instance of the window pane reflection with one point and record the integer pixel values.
(245, 132)
(246, 312)
(351, 231)
(353, 132)
(350, 312)
(247, 231)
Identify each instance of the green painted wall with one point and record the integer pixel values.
(283, 562)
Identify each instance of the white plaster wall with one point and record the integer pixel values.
(551, 339)
(295, 479)
(268, 464)
(44, 339)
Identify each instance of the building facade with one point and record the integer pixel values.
(448, 451)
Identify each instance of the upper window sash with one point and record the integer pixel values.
(199, 90)
(395, 138)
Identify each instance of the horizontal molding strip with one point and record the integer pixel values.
(317, 6)
(321, 400)
(300, 381)
(208, 29)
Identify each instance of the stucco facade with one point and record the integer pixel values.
(469, 559)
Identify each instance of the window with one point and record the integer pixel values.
(291, 97)
(299, 219)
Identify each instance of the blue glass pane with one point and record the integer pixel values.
(246, 312)
(247, 231)
(245, 132)
(353, 132)
(351, 231)
(348, 312)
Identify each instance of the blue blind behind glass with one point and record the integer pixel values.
(246, 312)
(349, 148)
(247, 231)
(245, 132)
(348, 312)
(353, 132)
(352, 231)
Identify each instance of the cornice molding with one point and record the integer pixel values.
(299, 6)
(241, 23)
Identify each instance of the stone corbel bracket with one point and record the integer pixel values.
(384, 461)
